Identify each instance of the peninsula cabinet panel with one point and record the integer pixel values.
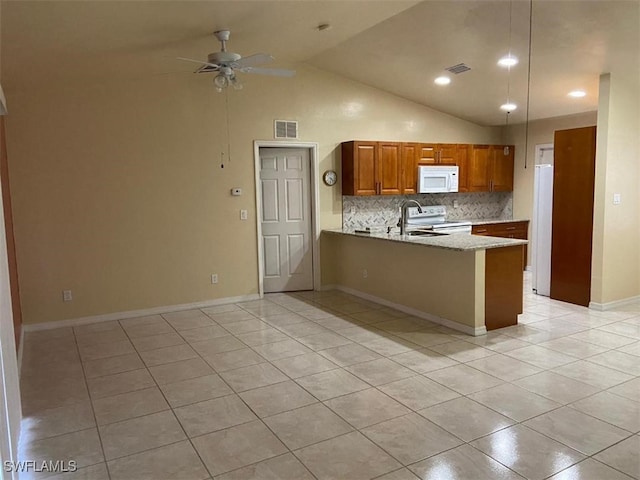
(390, 168)
(517, 230)
(410, 153)
(503, 287)
(359, 164)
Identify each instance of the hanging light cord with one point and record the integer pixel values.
(526, 124)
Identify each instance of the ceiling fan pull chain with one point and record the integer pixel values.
(226, 108)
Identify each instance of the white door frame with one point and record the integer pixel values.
(315, 204)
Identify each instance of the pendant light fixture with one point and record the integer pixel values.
(507, 62)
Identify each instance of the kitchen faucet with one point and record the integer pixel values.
(403, 214)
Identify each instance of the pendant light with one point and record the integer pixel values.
(507, 62)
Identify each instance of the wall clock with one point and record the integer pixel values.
(330, 177)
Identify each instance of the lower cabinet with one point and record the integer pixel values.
(505, 230)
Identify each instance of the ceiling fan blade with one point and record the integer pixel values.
(212, 65)
(251, 60)
(276, 72)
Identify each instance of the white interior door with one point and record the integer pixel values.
(285, 218)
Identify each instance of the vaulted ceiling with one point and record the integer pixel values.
(396, 46)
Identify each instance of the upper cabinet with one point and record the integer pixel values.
(490, 168)
(437, 153)
(371, 168)
(390, 168)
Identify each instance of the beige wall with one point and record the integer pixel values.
(404, 274)
(540, 132)
(616, 240)
(119, 195)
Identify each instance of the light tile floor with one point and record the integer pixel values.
(326, 385)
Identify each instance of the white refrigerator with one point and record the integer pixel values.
(541, 229)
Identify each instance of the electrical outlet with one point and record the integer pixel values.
(244, 214)
(67, 296)
(365, 274)
(214, 278)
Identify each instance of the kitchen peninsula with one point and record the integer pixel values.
(466, 282)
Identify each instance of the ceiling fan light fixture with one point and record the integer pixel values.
(443, 80)
(508, 61)
(508, 107)
(221, 81)
(577, 93)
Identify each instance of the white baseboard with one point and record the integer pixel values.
(477, 331)
(615, 304)
(76, 322)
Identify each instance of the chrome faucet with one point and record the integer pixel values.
(403, 214)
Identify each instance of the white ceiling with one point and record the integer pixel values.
(397, 46)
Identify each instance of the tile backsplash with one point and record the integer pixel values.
(381, 211)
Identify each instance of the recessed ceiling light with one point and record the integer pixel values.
(508, 107)
(508, 61)
(577, 93)
(442, 80)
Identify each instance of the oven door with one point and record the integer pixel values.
(434, 182)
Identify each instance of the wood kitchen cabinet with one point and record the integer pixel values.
(490, 168)
(410, 152)
(437, 154)
(371, 168)
(506, 230)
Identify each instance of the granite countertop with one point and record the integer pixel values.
(485, 221)
(461, 242)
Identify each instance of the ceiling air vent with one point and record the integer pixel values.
(459, 68)
(286, 129)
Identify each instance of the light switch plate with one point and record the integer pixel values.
(617, 199)
(244, 214)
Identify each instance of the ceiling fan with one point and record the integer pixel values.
(228, 63)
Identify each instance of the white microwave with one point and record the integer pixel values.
(437, 179)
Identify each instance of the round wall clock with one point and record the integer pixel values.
(330, 177)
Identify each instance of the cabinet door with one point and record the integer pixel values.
(359, 168)
(427, 154)
(389, 168)
(410, 168)
(502, 157)
(462, 161)
(478, 172)
(447, 153)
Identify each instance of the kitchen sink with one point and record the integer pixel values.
(425, 233)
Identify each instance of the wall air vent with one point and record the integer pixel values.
(459, 68)
(285, 129)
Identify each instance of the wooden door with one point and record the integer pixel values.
(447, 153)
(389, 168)
(478, 171)
(572, 218)
(427, 154)
(502, 168)
(285, 217)
(410, 168)
(462, 161)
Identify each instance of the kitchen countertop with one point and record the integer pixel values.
(461, 242)
(486, 221)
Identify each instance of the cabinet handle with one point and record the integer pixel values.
(481, 230)
(511, 228)
(491, 185)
